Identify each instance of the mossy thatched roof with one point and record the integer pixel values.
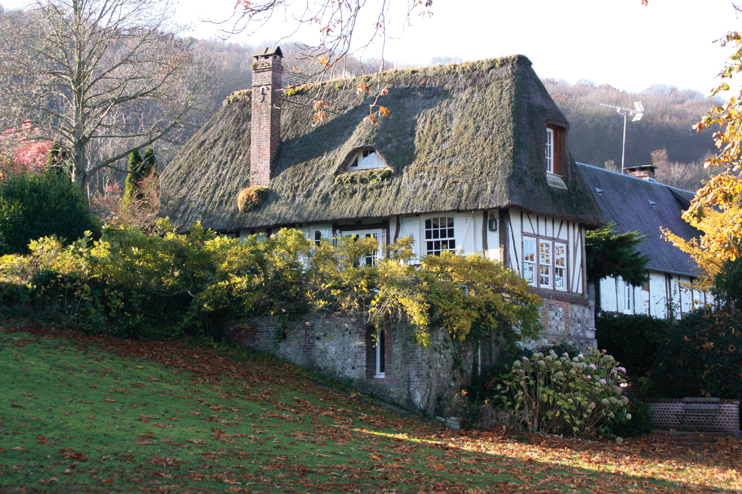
(459, 137)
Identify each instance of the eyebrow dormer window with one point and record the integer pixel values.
(366, 160)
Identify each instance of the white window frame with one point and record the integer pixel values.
(545, 263)
(549, 151)
(540, 263)
(367, 159)
(378, 233)
(628, 298)
(561, 263)
(529, 260)
(432, 234)
(380, 350)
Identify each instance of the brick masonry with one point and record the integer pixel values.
(666, 415)
(265, 133)
(416, 377)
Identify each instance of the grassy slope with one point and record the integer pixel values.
(81, 413)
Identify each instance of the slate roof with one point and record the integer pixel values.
(459, 138)
(640, 205)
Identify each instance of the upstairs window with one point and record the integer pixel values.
(552, 152)
(366, 160)
(439, 235)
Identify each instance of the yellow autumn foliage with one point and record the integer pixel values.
(716, 208)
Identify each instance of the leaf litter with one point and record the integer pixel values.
(87, 413)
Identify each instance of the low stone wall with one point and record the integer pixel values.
(666, 415)
(342, 349)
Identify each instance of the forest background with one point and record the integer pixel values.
(664, 137)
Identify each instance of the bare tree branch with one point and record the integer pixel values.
(100, 77)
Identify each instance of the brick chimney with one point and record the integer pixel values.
(645, 172)
(265, 134)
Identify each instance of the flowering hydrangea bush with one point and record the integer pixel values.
(554, 394)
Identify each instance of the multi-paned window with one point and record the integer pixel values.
(545, 263)
(372, 257)
(550, 150)
(439, 235)
(560, 266)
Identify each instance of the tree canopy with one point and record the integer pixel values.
(610, 253)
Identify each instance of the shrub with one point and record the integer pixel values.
(558, 395)
(632, 339)
(702, 356)
(251, 198)
(640, 423)
(35, 206)
(728, 284)
(132, 179)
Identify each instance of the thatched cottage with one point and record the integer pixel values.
(472, 158)
(637, 203)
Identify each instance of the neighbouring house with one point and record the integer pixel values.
(636, 202)
(472, 158)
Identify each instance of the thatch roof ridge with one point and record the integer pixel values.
(353, 82)
(459, 138)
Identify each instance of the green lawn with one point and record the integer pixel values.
(96, 414)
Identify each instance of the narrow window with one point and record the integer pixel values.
(628, 289)
(372, 257)
(550, 150)
(529, 259)
(544, 263)
(379, 343)
(439, 235)
(317, 237)
(560, 266)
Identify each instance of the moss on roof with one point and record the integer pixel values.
(459, 137)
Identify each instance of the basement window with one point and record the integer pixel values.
(366, 159)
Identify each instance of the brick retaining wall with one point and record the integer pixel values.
(666, 415)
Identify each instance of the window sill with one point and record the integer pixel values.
(555, 181)
(380, 376)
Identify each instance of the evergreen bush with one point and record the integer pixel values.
(633, 339)
(640, 423)
(34, 206)
(702, 356)
(132, 179)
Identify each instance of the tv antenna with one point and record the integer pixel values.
(637, 113)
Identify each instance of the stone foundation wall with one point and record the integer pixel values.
(342, 348)
(567, 319)
(666, 415)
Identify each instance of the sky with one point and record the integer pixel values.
(616, 42)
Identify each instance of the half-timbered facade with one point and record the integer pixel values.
(472, 158)
(636, 203)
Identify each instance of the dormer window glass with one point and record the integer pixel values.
(366, 160)
(550, 150)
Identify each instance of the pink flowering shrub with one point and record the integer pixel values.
(581, 396)
(21, 151)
